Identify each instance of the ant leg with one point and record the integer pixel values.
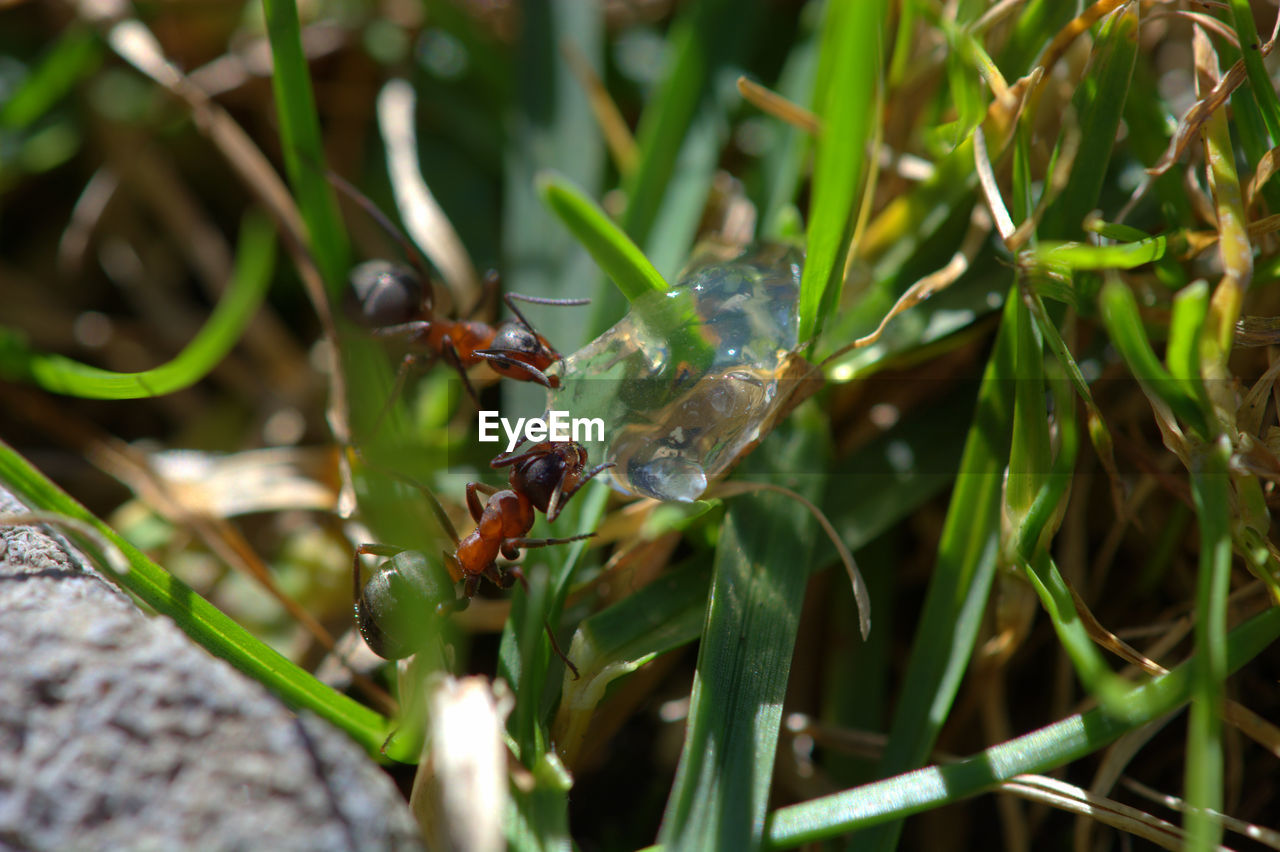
(506, 579)
(442, 517)
(527, 543)
(473, 500)
(449, 352)
(387, 550)
(414, 329)
(410, 250)
(559, 497)
(555, 646)
(402, 374)
(497, 356)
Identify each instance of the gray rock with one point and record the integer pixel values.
(116, 732)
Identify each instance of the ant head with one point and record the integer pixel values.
(394, 611)
(384, 294)
(539, 476)
(518, 339)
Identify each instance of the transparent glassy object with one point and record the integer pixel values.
(688, 378)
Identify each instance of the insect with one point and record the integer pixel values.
(390, 605)
(396, 300)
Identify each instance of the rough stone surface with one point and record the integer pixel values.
(116, 732)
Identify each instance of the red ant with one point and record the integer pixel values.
(395, 300)
(391, 603)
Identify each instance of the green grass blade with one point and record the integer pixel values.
(199, 619)
(1211, 496)
(1100, 101)
(706, 43)
(1071, 255)
(300, 137)
(1259, 81)
(851, 50)
(619, 258)
(721, 790)
(255, 260)
(73, 56)
(1120, 316)
(551, 127)
(962, 578)
(1038, 751)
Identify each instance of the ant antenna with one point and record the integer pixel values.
(411, 253)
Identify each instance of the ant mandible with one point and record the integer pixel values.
(389, 604)
(395, 300)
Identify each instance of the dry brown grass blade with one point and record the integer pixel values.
(771, 103)
(1267, 167)
(617, 135)
(137, 45)
(424, 218)
(460, 793)
(1200, 112)
(990, 188)
(930, 285)
(1266, 836)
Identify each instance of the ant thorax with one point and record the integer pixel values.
(687, 380)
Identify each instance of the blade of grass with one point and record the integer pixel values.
(962, 577)
(552, 126)
(255, 261)
(619, 258)
(1072, 255)
(300, 137)
(1119, 311)
(1038, 751)
(1100, 103)
(70, 59)
(199, 619)
(1211, 496)
(848, 80)
(721, 790)
(1259, 81)
(706, 43)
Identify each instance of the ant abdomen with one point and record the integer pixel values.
(399, 604)
(383, 294)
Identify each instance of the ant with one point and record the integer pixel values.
(395, 300)
(389, 604)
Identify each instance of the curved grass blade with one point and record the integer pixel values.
(199, 619)
(721, 790)
(1120, 316)
(664, 615)
(848, 79)
(1038, 751)
(1071, 255)
(619, 258)
(255, 260)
